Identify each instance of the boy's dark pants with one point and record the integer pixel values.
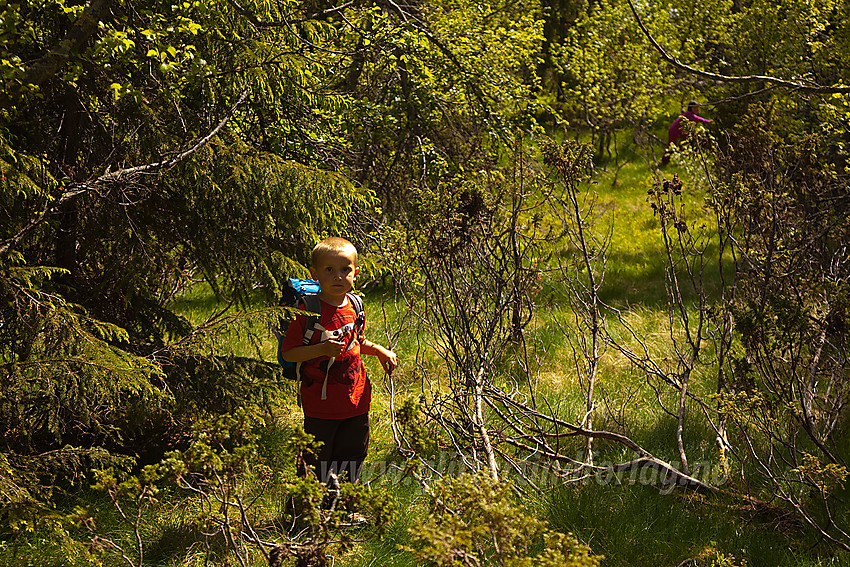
(346, 442)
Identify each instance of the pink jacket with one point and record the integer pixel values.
(676, 133)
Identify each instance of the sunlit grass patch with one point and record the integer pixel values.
(628, 520)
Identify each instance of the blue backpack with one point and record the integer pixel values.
(304, 292)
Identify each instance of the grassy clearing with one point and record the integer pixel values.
(635, 525)
(620, 517)
(627, 521)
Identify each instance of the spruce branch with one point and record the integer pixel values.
(124, 175)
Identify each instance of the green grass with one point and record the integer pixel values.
(628, 522)
(636, 525)
(633, 524)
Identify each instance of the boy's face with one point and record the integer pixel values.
(335, 272)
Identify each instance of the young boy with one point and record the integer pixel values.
(336, 394)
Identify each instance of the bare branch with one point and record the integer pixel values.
(812, 87)
(258, 22)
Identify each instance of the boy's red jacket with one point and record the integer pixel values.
(344, 381)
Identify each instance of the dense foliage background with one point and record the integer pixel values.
(146, 147)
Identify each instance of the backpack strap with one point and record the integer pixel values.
(313, 305)
(357, 304)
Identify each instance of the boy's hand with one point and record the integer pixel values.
(332, 348)
(388, 359)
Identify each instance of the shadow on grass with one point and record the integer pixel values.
(632, 522)
(641, 279)
(391, 548)
(176, 542)
(637, 525)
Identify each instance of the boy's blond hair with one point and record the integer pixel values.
(332, 245)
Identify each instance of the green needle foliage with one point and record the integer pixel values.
(474, 521)
(146, 147)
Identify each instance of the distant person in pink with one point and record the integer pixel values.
(677, 131)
